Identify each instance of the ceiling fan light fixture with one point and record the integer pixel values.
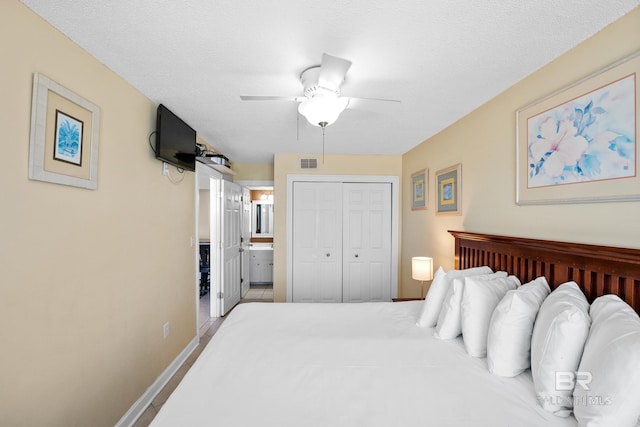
(323, 110)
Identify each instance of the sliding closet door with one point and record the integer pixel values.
(317, 242)
(366, 242)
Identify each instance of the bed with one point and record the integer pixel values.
(368, 364)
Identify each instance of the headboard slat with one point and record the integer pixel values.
(598, 270)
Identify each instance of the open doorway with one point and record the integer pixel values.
(219, 210)
(260, 241)
(207, 229)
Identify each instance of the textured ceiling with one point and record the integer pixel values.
(441, 58)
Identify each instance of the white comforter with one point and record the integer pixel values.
(344, 365)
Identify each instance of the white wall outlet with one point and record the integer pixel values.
(165, 168)
(165, 330)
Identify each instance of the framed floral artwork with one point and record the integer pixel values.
(419, 190)
(579, 144)
(448, 190)
(64, 136)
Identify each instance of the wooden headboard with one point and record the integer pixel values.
(598, 270)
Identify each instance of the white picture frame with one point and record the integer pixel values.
(48, 101)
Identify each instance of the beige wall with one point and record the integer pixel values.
(88, 278)
(288, 164)
(204, 220)
(484, 142)
(253, 172)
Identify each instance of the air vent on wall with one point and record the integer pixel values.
(308, 163)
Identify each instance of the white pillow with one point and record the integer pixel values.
(433, 300)
(438, 290)
(449, 323)
(479, 299)
(612, 358)
(511, 327)
(559, 334)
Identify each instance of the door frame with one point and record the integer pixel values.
(395, 219)
(209, 179)
(253, 185)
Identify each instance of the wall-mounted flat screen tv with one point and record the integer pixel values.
(175, 140)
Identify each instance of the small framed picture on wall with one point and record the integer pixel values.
(448, 190)
(63, 147)
(419, 190)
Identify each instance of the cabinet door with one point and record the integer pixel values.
(367, 242)
(317, 242)
(269, 270)
(262, 267)
(267, 267)
(255, 268)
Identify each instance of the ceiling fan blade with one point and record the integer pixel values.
(372, 104)
(270, 98)
(354, 99)
(332, 71)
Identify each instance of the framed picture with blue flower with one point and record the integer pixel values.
(579, 144)
(449, 190)
(67, 146)
(420, 190)
(64, 137)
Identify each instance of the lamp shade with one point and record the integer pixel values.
(422, 268)
(323, 109)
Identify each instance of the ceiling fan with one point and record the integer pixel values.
(321, 103)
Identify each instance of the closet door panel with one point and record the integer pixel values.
(367, 242)
(305, 276)
(317, 243)
(379, 281)
(354, 275)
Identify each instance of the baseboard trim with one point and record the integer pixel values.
(138, 408)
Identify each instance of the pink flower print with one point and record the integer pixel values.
(558, 146)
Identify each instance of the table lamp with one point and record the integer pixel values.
(422, 269)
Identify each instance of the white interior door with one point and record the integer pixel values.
(215, 248)
(317, 242)
(245, 237)
(366, 242)
(230, 246)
